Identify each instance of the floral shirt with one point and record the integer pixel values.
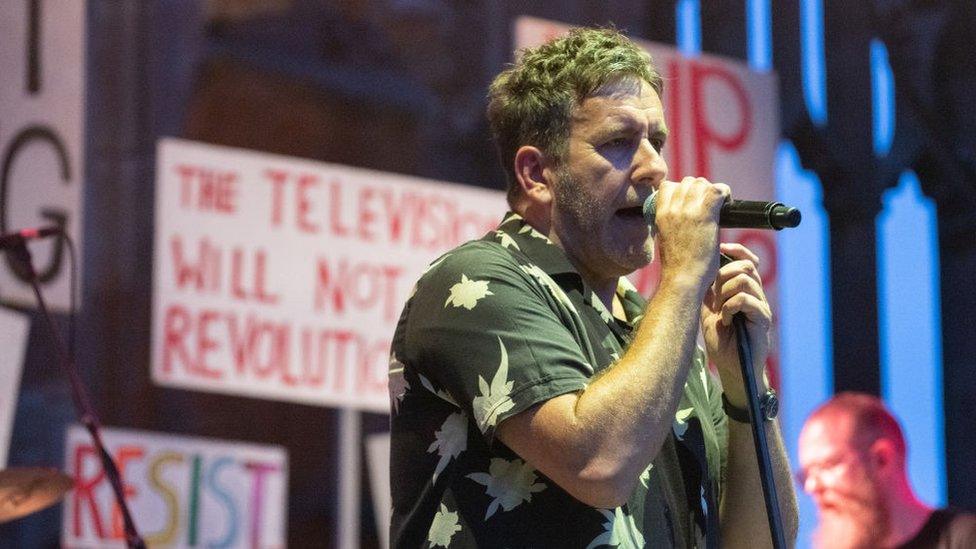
(492, 328)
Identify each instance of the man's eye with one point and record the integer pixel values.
(658, 144)
(618, 142)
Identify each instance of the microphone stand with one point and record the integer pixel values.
(744, 345)
(80, 397)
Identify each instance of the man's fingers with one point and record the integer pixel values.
(741, 283)
(738, 268)
(755, 309)
(738, 251)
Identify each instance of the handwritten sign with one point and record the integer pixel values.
(283, 278)
(182, 492)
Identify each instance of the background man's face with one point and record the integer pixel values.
(613, 164)
(839, 477)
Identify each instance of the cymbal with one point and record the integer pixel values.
(24, 490)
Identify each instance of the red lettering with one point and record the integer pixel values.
(206, 345)
(84, 492)
(326, 289)
(335, 209)
(202, 274)
(394, 211)
(208, 189)
(373, 365)
(367, 216)
(365, 286)
(706, 135)
(304, 206)
(122, 457)
(257, 289)
(176, 326)
(277, 179)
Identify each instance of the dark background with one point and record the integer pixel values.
(399, 86)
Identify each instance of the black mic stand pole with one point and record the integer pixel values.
(744, 345)
(80, 397)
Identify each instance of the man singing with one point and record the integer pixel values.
(538, 400)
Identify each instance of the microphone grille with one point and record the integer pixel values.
(650, 208)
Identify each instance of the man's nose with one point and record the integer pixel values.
(812, 484)
(651, 167)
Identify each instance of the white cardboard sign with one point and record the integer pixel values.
(283, 278)
(42, 113)
(14, 329)
(182, 491)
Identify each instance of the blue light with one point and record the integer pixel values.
(804, 312)
(688, 16)
(883, 98)
(910, 331)
(813, 61)
(758, 35)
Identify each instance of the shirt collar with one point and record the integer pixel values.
(515, 232)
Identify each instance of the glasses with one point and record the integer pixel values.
(826, 473)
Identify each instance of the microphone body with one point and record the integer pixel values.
(742, 214)
(17, 238)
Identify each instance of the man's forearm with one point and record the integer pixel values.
(596, 444)
(743, 508)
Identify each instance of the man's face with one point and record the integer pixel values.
(839, 478)
(613, 164)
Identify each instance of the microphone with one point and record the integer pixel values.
(17, 238)
(742, 214)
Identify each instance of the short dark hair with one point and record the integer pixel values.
(532, 101)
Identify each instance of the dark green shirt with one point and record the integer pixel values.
(492, 328)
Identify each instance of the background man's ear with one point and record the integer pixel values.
(533, 172)
(883, 455)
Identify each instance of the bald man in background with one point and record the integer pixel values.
(852, 458)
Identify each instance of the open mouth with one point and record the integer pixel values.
(632, 212)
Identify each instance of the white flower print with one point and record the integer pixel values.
(467, 293)
(509, 483)
(506, 240)
(680, 425)
(450, 440)
(398, 383)
(550, 285)
(495, 399)
(443, 528)
(510, 217)
(704, 379)
(645, 477)
(534, 233)
(621, 532)
(444, 395)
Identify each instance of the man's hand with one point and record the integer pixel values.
(737, 289)
(686, 222)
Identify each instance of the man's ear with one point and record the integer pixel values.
(884, 456)
(533, 172)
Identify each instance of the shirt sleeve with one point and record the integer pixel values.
(483, 328)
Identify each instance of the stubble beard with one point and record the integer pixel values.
(575, 201)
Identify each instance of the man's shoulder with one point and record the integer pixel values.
(475, 257)
(961, 523)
